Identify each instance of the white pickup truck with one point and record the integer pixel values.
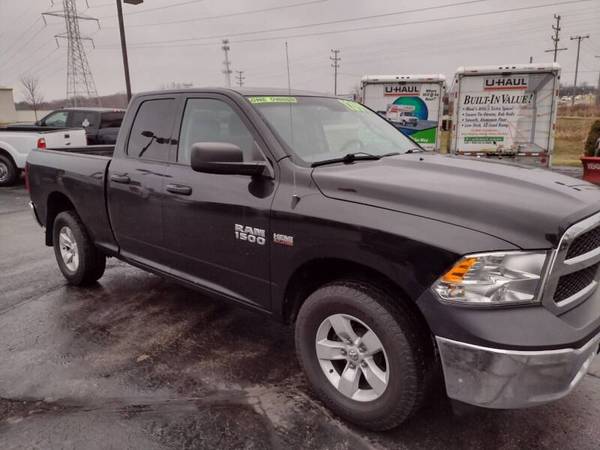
(16, 144)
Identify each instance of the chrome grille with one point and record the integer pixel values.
(585, 243)
(571, 284)
(573, 271)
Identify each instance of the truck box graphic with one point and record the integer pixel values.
(413, 103)
(505, 112)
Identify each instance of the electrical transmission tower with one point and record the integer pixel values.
(578, 39)
(80, 81)
(556, 38)
(240, 77)
(227, 71)
(336, 64)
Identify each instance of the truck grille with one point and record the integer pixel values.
(585, 243)
(571, 284)
(573, 276)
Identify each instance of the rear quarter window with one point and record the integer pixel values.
(112, 119)
(150, 136)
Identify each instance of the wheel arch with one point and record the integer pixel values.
(317, 272)
(57, 202)
(7, 153)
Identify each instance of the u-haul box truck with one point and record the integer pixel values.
(506, 112)
(413, 103)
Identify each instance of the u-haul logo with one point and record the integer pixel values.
(401, 89)
(250, 234)
(505, 83)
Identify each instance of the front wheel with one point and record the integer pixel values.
(79, 260)
(364, 354)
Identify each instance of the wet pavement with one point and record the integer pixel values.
(143, 363)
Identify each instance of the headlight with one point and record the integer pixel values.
(493, 279)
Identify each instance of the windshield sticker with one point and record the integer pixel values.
(258, 100)
(353, 106)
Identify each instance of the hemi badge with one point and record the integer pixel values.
(283, 239)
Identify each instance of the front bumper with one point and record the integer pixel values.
(502, 379)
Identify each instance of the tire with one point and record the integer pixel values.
(404, 361)
(79, 260)
(9, 173)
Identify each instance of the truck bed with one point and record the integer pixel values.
(79, 173)
(35, 128)
(97, 150)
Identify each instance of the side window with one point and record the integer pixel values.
(209, 120)
(112, 119)
(85, 119)
(150, 136)
(57, 119)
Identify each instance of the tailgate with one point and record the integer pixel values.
(69, 137)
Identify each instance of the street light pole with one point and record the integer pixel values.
(124, 43)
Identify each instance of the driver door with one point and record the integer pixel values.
(203, 212)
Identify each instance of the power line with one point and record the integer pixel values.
(27, 57)
(227, 71)
(221, 16)
(11, 48)
(556, 38)
(336, 65)
(158, 8)
(364, 28)
(240, 77)
(333, 22)
(578, 39)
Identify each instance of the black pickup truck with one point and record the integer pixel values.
(392, 262)
(101, 125)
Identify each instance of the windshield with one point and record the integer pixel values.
(320, 128)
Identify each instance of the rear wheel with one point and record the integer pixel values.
(79, 260)
(8, 171)
(363, 354)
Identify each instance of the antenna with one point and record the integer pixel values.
(295, 196)
(287, 61)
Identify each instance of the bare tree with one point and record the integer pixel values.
(33, 95)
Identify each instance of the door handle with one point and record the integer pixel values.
(179, 189)
(124, 179)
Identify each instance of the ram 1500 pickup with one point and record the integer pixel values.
(391, 262)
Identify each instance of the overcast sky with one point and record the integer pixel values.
(180, 40)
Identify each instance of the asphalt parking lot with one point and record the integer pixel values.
(140, 362)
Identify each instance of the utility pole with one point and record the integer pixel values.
(240, 77)
(556, 38)
(227, 71)
(578, 39)
(598, 88)
(80, 82)
(336, 64)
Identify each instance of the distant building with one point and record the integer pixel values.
(8, 113)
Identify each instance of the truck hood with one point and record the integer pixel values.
(525, 206)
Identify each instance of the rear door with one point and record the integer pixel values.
(137, 178)
(88, 120)
(217, 227)
(110, 123)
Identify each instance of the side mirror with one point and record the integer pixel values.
(223, 158)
